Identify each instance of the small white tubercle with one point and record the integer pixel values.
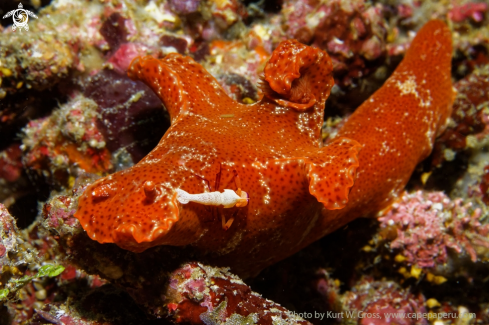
(228, 198)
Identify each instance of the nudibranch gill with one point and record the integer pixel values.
(299, 190)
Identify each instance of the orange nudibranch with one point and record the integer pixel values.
(398, 124)
(299, 190)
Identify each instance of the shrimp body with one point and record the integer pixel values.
(228, 198)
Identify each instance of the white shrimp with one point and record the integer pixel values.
(228, 198)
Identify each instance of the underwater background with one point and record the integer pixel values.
(69, 115)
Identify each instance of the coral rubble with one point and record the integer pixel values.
(201, 294)
(427, 225)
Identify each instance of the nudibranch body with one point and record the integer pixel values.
(298, 189)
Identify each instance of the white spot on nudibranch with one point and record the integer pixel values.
(410, 87)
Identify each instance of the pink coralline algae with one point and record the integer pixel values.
(209, 20)
(200, 294)
(184, 7)
(377, 299)
(370, 302)
(427, 224)
(474, 10)
(353, 33)
(124, 54)
(11, 163)
(467, 116)
(66, 141)
(8, 236)
(295, 17)
(59, 212)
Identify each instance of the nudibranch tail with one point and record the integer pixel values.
(298, 76)
(332, 172)
(427, 67)
(398, 124)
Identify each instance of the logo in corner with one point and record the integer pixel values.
(21, 17)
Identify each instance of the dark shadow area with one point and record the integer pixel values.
(269, 6)
(18, 109)
(105, 304)
(442, 178)
(25, 207)
(293, 281)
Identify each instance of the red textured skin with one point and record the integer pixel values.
(197, 295)
(391, 119)
(276, 152)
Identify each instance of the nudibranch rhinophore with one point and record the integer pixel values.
(299, 190)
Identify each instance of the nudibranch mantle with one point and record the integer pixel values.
(298, 189)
